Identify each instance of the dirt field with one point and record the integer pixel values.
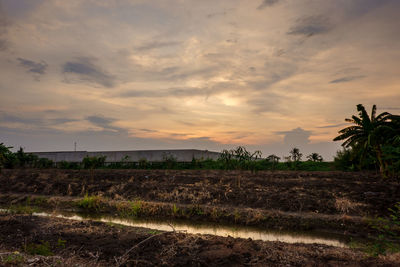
(73, 243)
(357, 194)
(334, 202)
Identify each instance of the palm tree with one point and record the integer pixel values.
(315, 157)
(366, 133)
(295, 154)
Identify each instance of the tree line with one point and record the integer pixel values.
(371, 143)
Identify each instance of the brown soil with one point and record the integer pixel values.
(96, 244)
(357, 194)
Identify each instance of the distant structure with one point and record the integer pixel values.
(180, 155)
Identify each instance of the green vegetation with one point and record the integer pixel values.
(388, 238)
(61, 243)
(93, 162)
(13, 259)
(90, 203)
(39, 249)
(372, 142)
(389, 233)
(136, 208)
(169, 161)
(20, 159)
(175, 210)
(22, 209)
(234, 159)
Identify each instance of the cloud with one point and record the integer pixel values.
(3, 30)
(309, 26)
(32, 66)
(61, 120)
(295, 137)
(156, 44)
(5, 117)
(347, 79)
(3, 44)
(267, 3)
(86, 71)
(221, 13)
(170, 92)
(332, 126)
(104, 122)
(33, 121)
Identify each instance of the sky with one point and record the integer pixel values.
(269, 75)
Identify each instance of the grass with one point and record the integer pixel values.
(136, 208)
(22, 209)
(90, 203)
(14, 259)
(39, 249)
(175, 210)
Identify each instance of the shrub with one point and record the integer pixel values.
(170, 162)
(93, 162)
(91, 203)
(389, 233)
(39, 249)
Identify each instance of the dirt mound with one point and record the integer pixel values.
(322, 192)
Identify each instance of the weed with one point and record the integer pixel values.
(40, 201)
(14, 259)
(236, 215)
(39, 249)
(389, 233)
(90, 203)
(196, 210)
(117, 225)
(21, 209)
(61, 243)
(175, 210)
(154, 232)
(136, 208)
(214, 213)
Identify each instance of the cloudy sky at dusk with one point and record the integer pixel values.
(142, 74)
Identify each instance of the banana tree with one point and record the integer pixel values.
(367, 133)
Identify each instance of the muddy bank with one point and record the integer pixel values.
(357, 194)
(352, 226)
(97, 244)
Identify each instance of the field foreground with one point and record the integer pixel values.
(333, 202)
(65, 242)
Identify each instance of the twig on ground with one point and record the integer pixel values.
(123, 258)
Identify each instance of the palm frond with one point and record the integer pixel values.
(373, 113)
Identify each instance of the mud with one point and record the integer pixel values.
(356, 194)
(97, 244)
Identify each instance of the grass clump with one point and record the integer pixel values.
(22, 209)
(136, 208)
(175, 210)
(43, 249)
(14, 259)
(90, 203)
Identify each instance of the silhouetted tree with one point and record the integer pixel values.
(315, 157)
(295, 154)
(366, 134)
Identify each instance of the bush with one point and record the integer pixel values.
(389, 233)
(170, 162)
(93, 162)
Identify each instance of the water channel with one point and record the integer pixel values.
(210, 229)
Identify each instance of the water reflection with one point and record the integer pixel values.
(239, 232)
